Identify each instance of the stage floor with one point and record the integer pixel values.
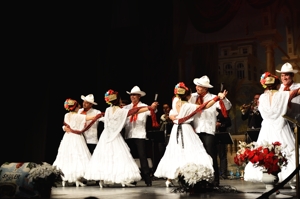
(244, 190)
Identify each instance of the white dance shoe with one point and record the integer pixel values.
(101, 184)
(169, 183)
(128, 185)
(78, 183)
(292, 186)
(63, 183)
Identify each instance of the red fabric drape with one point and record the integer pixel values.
(287, 87)
(86, 127)
(292, 95)
(223, 108)
(153, 116)
(134, 116)
(198, 110)
(199, 99)
(130, 112)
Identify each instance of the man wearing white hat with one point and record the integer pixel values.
(205, 123)
(287, 74)
(91, 135)
(135, 132)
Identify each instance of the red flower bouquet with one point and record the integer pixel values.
(268, 156)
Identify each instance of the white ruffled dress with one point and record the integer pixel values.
(274, 129)
(183, 149)
(112, 161)
(73, 154)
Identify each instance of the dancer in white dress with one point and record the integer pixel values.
(272, 106)
(73, 154)
(184, 146)
(112, 161)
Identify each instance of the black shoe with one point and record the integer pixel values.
(148, 183)
(213, 185)
(224, 177)
(216, 183)
(209, 186)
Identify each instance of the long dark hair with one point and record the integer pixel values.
(184, 97)
(116, 102)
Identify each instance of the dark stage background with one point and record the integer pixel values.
(68, 51)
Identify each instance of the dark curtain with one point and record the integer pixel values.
(260, 3)
(205, 62)
(211, 16)
(123, 44)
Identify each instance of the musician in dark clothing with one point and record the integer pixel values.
(222, 125)
(252, 113)
(166, 123)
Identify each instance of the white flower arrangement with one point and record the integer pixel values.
(191, 173)
(44, 171)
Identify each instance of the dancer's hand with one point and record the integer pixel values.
(154, 105)
(172, 117)
(67, 129)
(223, 95)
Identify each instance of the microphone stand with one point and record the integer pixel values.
(297, 124)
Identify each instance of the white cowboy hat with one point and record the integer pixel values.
(136, 90)
(202, 81)
(287, 68)
(89, 98)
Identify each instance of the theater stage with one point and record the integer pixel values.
(243, 190)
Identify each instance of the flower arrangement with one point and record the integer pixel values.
(190, 174)
(109, 96)
(45, 173)
(180, 88)
(44, 176)
(70, 104)
(268, 156)
(267, 78)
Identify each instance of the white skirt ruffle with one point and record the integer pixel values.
(73, 156)
(112, 163)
